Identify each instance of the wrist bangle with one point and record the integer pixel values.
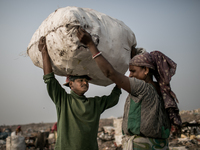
(43, 47)
(96, 55)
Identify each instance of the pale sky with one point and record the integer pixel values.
(172, 27)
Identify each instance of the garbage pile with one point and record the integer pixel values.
(4, 133)
(106, 139)
(189, 137)
(34, 137)
(109, 134)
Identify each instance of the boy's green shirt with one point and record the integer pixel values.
(77, 116)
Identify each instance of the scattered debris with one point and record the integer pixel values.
(109, 134)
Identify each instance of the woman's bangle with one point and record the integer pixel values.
(96, 55)
(43, 47)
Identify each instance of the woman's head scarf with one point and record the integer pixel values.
(165, 68)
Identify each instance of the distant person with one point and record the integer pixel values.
(41, 141)
(54, 130)
(77, 116)
(150, 107)
(17, 132)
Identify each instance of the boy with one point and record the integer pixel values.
(77, 116)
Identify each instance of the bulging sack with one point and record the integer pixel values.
(15, 143)
(70, 57)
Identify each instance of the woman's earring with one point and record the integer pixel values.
(145, 75)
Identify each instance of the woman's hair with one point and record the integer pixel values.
(151, 71)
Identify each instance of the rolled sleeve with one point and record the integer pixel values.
(55, 90)
(111, 100)
(47, 77)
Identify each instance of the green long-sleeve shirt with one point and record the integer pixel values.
(77, 116)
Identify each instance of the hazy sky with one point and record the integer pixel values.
(172, 27)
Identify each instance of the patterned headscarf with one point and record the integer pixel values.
(165, 68)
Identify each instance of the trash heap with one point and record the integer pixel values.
(189, 137)
(109, 134)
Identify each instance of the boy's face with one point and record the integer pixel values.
(79, 86)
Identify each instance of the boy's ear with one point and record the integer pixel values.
(70, 83)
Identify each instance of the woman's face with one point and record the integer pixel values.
(137, 72)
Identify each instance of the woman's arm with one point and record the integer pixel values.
(121, 80)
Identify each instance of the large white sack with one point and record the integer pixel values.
(69, 57)
(15, 142)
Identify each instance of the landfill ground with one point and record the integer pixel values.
(188, 139)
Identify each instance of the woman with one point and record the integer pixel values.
(150, 108)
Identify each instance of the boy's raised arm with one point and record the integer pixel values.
(47, 68)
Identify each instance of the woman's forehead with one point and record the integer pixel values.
(133, 67)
